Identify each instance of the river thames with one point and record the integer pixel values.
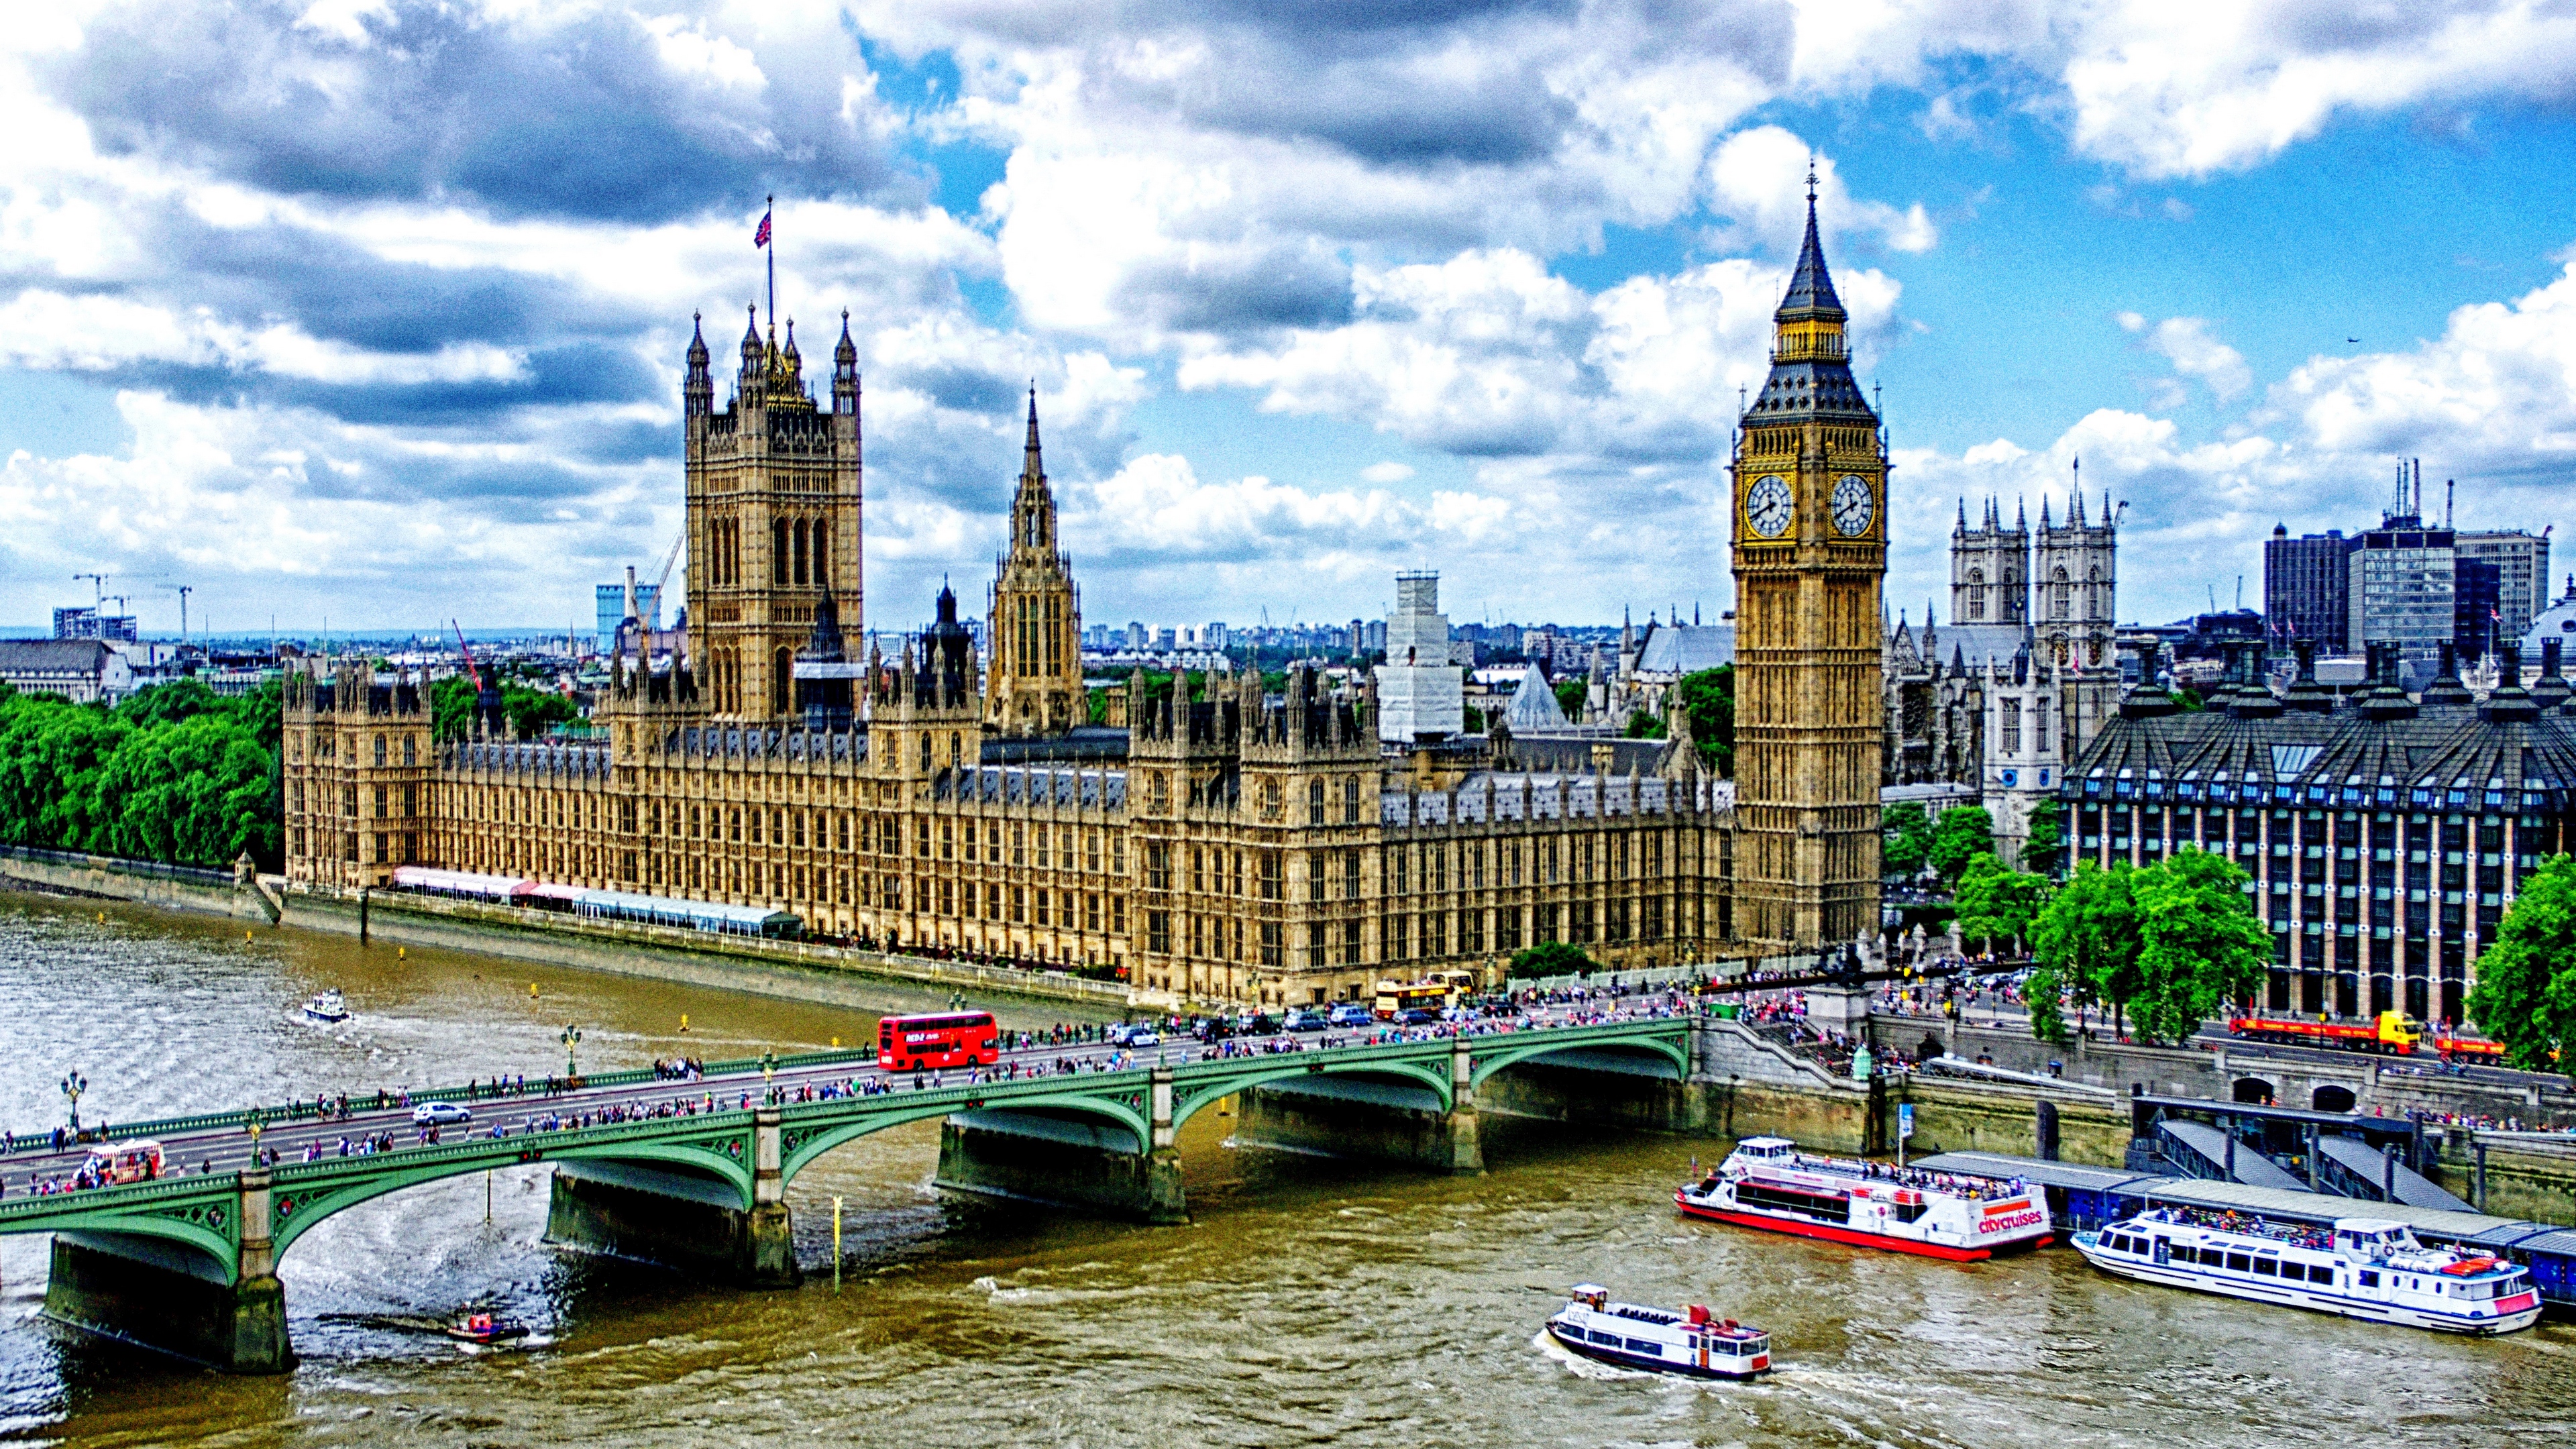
(1309, 1303)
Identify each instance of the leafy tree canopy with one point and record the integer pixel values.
(2525, 996)
(1551, 958)
(1962, 834)
(1906, 838)
(1571, 696)
(2200, 945)
(1709, 697)
(2047, 842)
(176, 773)
(2088, 932)
(1997, 906)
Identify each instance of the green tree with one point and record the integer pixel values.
(2088, 933)
(1550, 958)
(1963, 833)
(1708, 696)
(2525, 996)
(2200, 945)
(168, 703)
(197, 791)
(1906, 834)
(1645, 726)
(531, 712)
(1995, 905)
(1571, 696)
(2047, 842)
(2040, 991)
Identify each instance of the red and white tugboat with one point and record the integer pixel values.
(1689, 1342)
(1766, 1182)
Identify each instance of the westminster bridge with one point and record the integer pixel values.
(692, 1172)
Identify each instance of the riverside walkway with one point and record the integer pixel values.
(692, 1172)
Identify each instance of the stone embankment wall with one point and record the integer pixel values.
(795, 970)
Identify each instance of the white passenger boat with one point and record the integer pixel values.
(2360, 1268)
(326, 1005)
(1766, 1182)
(1688, 1342)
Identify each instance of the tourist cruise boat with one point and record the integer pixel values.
(2360, 1268)
(1766, 1182)
(326, 1005)
(1659, 1339)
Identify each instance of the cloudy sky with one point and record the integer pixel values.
(372, 310)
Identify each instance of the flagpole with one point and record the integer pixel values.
(771, 216)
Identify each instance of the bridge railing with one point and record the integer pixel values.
(309, 1110)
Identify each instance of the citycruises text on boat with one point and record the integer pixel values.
(1766, 1182)
(2361, 1268)
(1688, 1342)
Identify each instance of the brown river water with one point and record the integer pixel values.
(1311, 1302)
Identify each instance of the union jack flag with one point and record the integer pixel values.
(760, 238)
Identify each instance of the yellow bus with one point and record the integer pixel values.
(1437, 990)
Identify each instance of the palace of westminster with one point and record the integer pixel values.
(1243, 845)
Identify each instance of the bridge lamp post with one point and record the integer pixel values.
(73, 1085)
(571, 1040)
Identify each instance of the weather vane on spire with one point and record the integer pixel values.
(1811, 178)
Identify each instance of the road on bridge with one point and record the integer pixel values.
(285, 1138)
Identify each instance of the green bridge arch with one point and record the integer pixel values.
(1193, 1094)
(1670, 1048)
(1116, 1099)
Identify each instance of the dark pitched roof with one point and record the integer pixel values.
(1811, 286)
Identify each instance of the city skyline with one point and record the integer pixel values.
(269, 345)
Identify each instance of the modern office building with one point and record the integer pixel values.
(2307, 588)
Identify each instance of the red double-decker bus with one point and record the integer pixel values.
(949, 1039)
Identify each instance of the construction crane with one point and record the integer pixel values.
(97, 581)
(468, 650)
(183, 591)
(670, 556)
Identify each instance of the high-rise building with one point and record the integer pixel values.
(2403, 589)
(1420, 694)
(1139, 638)
(773, 518)
(1034, 685)
(2520, 562)
(2307, 585)
(1810, 485)
(612, 609)
(92, 623)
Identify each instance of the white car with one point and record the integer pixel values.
(439, 1114)
(1143, 1036)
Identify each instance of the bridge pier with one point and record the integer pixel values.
(166, 1296)
(1082, 1163)
(1339, 1115)
(682, 1221)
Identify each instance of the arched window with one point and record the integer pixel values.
(925, 751)
(799, 571)
(1314, 802)
(782, 673)
(822, 554)
(2059, 595)
(1976, 593)
(778, 551)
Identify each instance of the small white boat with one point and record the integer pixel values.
(1766, 1182)
(2365, 1268)
(326, 1005)
(1658, 1339)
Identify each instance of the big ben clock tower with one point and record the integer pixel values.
(1810, 522)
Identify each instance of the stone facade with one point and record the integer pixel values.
(1240, 846)
(1810, 518)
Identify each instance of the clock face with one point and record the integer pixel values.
(1853, 506)
(1766, 506)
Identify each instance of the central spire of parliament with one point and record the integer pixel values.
(1810, 554)
(1035, 687)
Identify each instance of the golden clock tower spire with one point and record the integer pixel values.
(1810, 523)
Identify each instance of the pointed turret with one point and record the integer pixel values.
(698, 391)
(1811, 287)
(1963, 516)
(747, 385)
(845, 371)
